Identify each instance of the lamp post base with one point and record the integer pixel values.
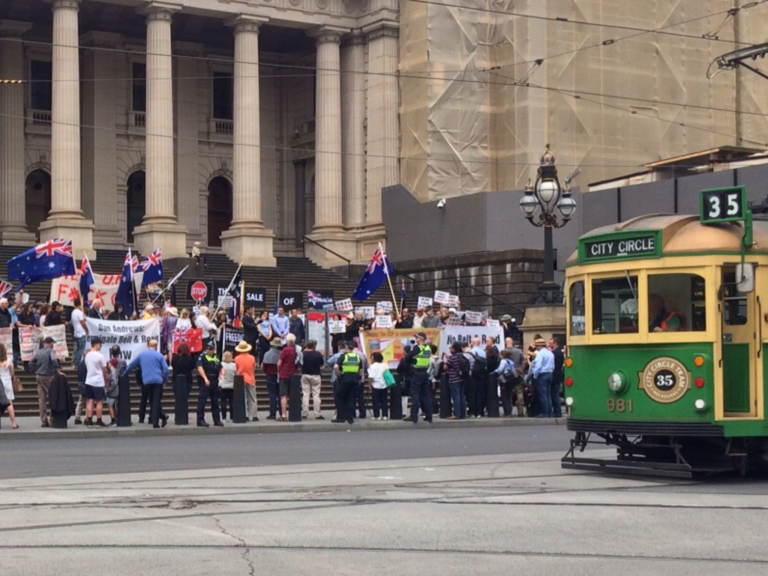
(549, 293)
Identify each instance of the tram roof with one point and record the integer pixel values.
(685, 233)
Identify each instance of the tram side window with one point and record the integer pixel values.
(578, 327)
(614, 305)
(676, 303)
(734, 303)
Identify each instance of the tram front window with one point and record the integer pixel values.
(676, 303)
(577, 309)
(614, 305)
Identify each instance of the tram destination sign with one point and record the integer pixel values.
(723, 205)
(620, 246)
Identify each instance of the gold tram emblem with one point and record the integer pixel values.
(664, 379)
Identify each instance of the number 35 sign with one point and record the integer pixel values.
(723, 205)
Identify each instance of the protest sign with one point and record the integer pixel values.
(345, 305)
(473, 317)
(66, 288)
(492, 323)
(232, 337)
(337, 326)
(442, 297)
(453, 300)
(58, 333)
(425, 302)
(6, 339)
(132, 336)
(255, 297)
(384, 322)
(391, 343)
(462, 334)
(368, 312)
(291, 300)
(319, 299)
(386, 306)
(199, 290)
(316, 330)
(30, 336)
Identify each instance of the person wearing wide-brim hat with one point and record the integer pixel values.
(245, 362)
(269, 366)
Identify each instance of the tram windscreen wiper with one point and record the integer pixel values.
(631, 288)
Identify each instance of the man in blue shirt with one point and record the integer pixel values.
(541, 369)
(280, 325)
(154, 373)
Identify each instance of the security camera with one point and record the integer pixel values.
(441, 204)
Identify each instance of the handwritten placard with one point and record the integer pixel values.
(384, 322)
(345, 305)
(442, 297)
(473, 317)
(337, 326)
(425, 302)
(386, 306)
(368, 312)
(492, 323)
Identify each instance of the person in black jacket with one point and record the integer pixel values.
(118, 313)
(60, 399)
(251, 330)
(557, 376)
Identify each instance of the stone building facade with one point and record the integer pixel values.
(242, 125)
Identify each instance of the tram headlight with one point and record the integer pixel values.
(617, 382)
(569, 401)
(700, 405)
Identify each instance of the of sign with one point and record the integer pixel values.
(132, 336)
(462, 334)
(345, 305)
(386, 306)
(664, 380)
(424, 302)
(199, 290)
(368, 312)
(383, 322)
(291, 300)
(337, 326)
(620, 246)
(723, 205)
(473, 317)
(442, 297)
(255, 297)
(319, 299)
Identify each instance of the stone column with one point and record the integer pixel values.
(66, 217)
(329, 209)
(353, 126)
(383, 110)
(13, 224)
(160, 226)
(247, 241)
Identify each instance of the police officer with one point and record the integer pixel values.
(418, 358)
(348, 368)
(208, 368)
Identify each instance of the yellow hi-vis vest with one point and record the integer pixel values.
(351, 364)
(422, 358)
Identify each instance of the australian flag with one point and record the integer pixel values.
(126, 291)
(47, 261)
(374, 276)
(152, 268)
(86, 279)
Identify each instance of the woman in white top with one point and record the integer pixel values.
(378, 386)
(209, 328)
(227, 384)
(6, 376)
(184, 323)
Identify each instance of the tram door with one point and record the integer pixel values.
(739, 348)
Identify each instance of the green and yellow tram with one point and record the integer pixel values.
(668, 341)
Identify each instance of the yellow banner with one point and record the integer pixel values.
(391, 343)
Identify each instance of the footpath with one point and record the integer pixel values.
(29, 427)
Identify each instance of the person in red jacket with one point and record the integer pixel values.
(286, 367)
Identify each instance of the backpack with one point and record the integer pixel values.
(480, 367)
(508, 375)
(463, 366)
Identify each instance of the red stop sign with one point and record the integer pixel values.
(198, 291)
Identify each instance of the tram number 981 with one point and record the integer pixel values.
(619, 405)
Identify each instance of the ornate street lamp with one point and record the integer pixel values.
(546, 196)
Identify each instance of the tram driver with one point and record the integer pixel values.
(662, 320)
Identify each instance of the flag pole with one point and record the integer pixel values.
(389, 280)
(228, 289)
(171, 283)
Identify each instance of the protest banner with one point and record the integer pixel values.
(29, 341)
(475, 318)
(232, 337)
(384, 322)
(337, 326)
(492, 323)
(391, 343)
(66, 288)
(425, 302)
(462, 334)
(442, 297)
(132, 336)
(6, 339)
(316, 330)
(368, 312)
(345, 305)
(319, 299)
(386, 306)
(192, 338)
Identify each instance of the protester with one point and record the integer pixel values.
(430, 320)
(167, 328)
(118, 314)
(6, 376)
(52, 318)
(26, 316)
(296, 326)
(518, 390)
(286, 368)
(246, 367)
(95, 311)
(44, 365)
(250, 329)
(347, 367)
(507, 379)
(154, 373)
(541, 369)
(312, 362)
(269, 366)
(149, 312)
(208, 368)
(209, 328)
(95, 383)
(116, 368)
(378, 387)
(6, 320)
(184, 364)
(79, 330)
(44, 310)
(457, 367)
(419, 358)
(227, 385)
(184, 323)
(405, 321)
(280, 325)
(418, 319)
(266, 335)
(557, 376)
